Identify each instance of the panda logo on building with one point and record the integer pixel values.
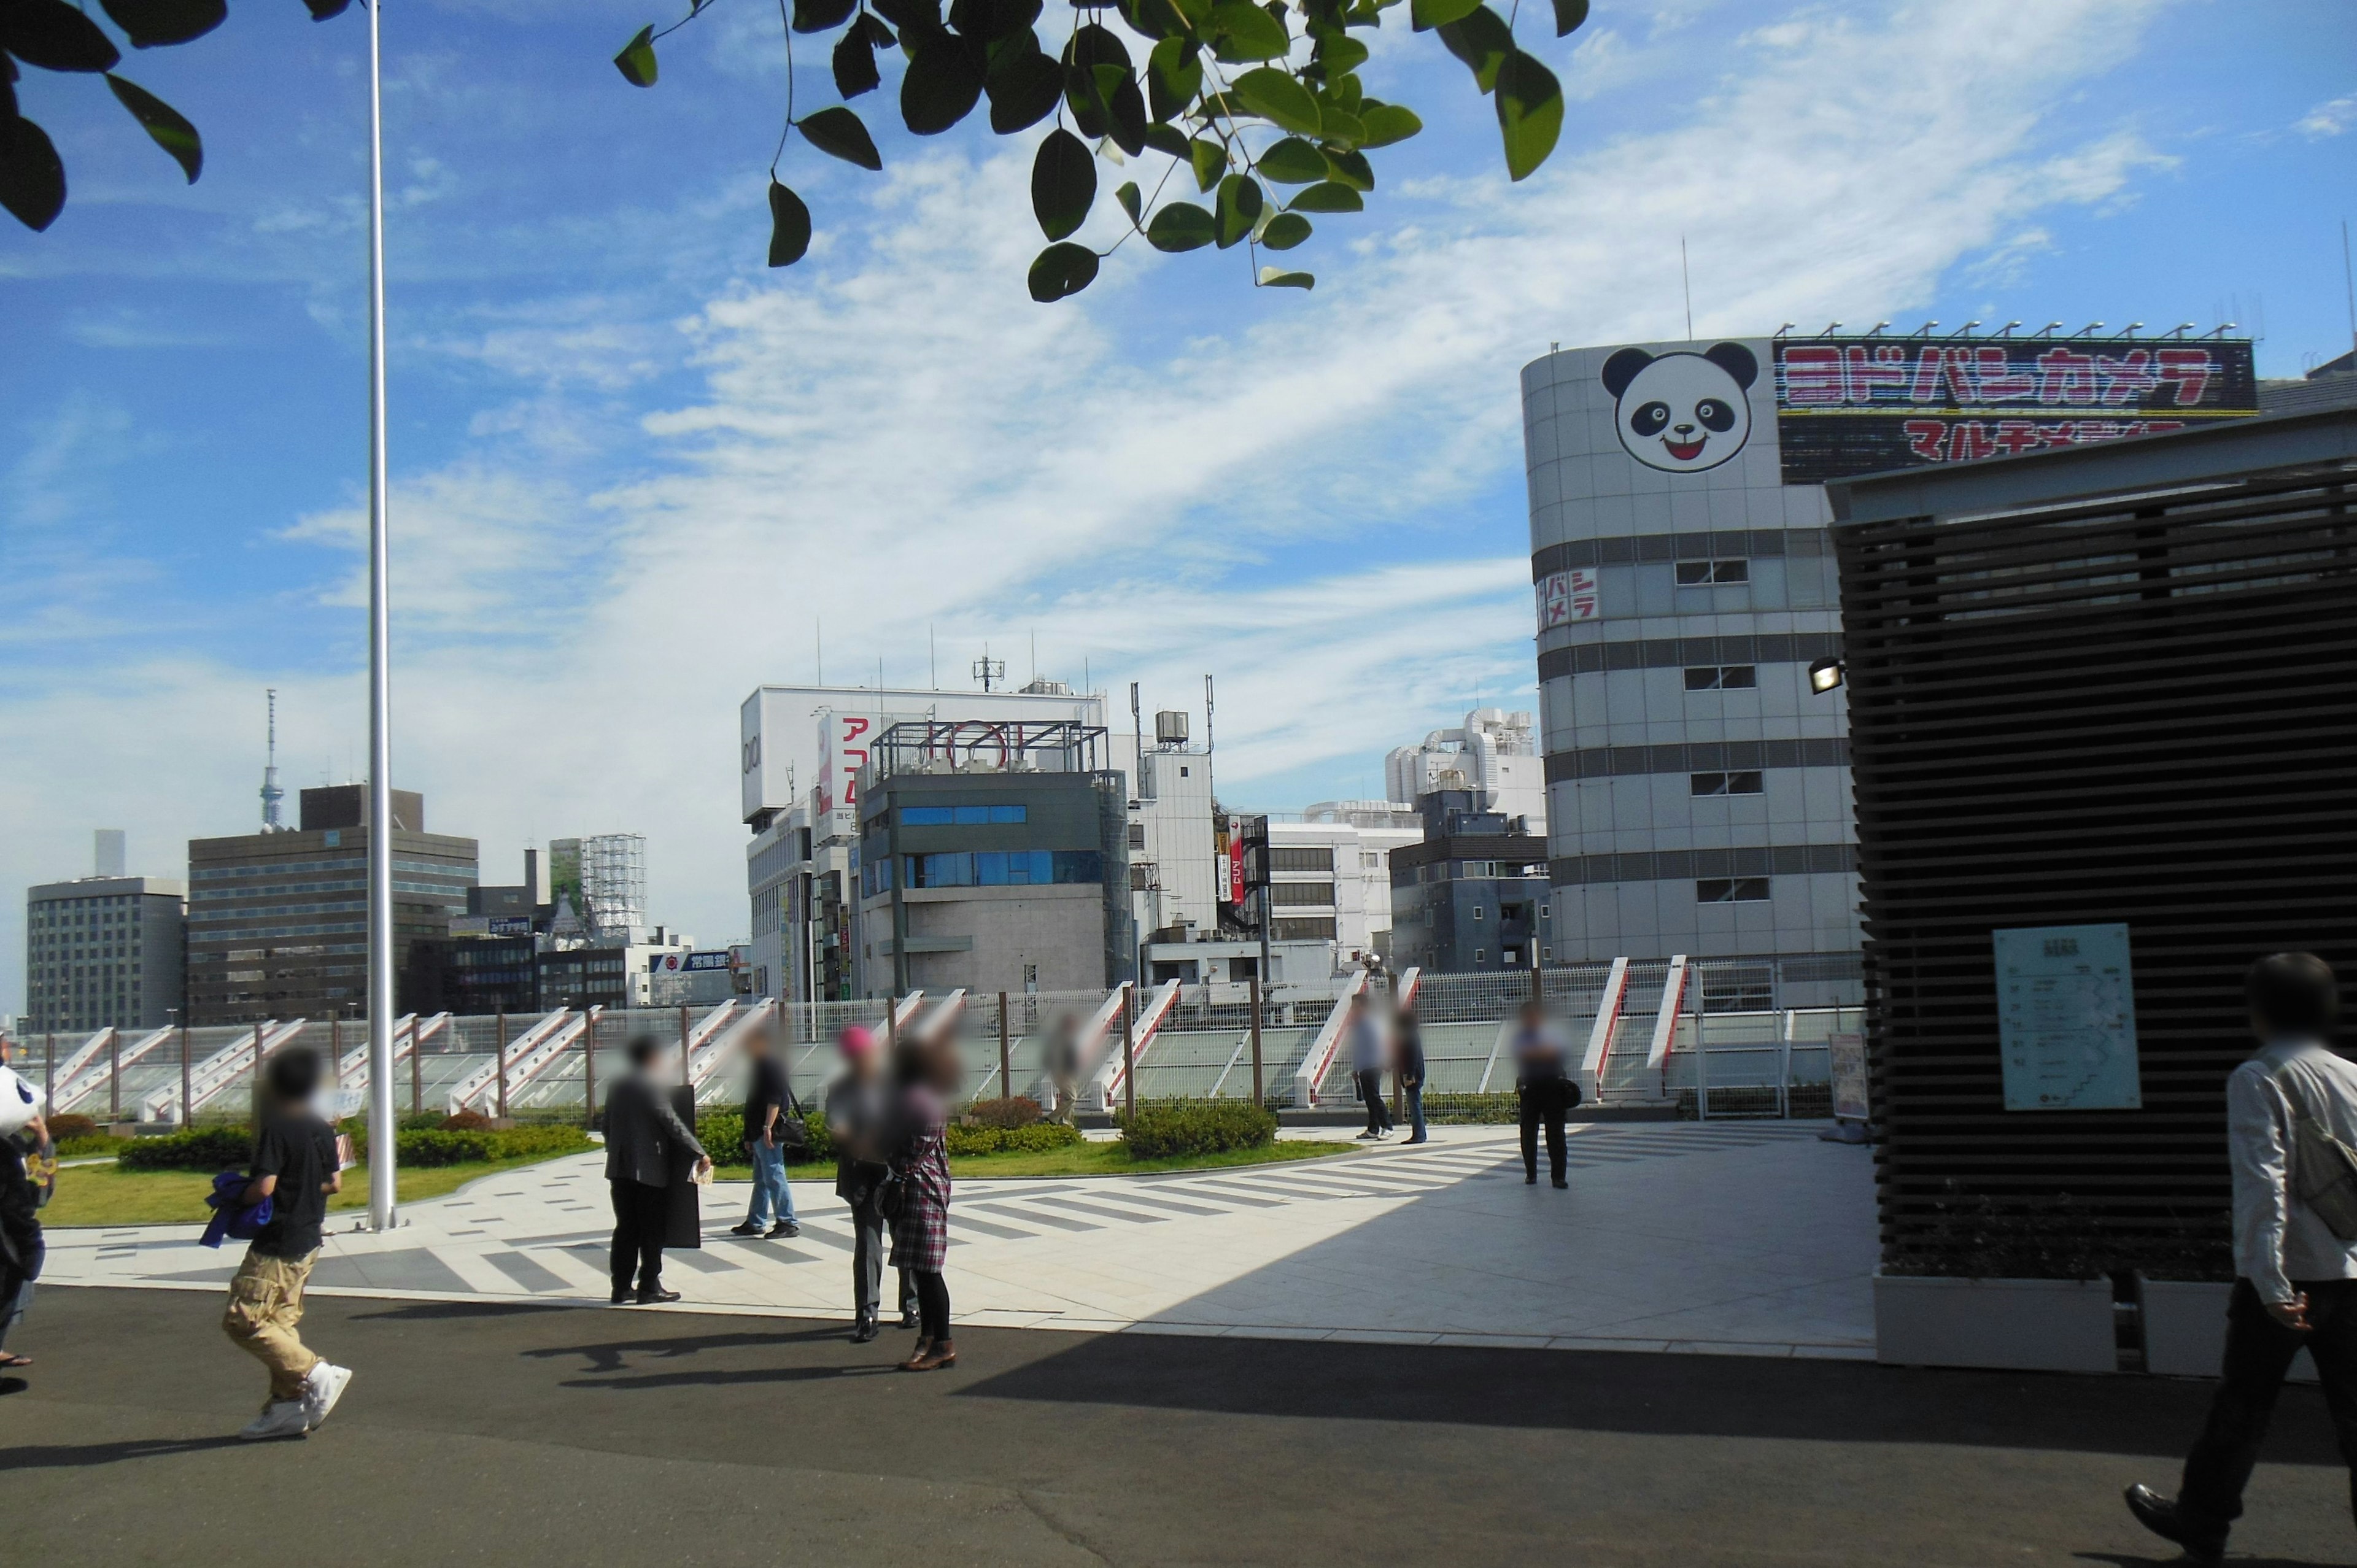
(1682, 413)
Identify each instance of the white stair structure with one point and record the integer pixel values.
(94, 1067)
(1322, 1049)
(408, 1032)
(715, 1037)
(1105, 1088)
(1599, 1036)
(528, 1055)
(216, 1073)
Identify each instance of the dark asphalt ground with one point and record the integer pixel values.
(519, 1435)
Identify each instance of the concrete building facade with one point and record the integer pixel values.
(278, 921)
(104, 950)
(1473, 894)
(1493, 753)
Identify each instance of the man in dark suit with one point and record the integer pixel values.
(648, 1148)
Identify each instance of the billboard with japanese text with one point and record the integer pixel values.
(1847, 406)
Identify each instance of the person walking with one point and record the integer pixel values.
(1063, 1054)
(1366, 1043)
(1408, 1061)
(2291, 1121)
(859, 1105)
(767, 1097)
(1545, 1088)
(295, 1168)
(27, 1171)
(927, 1073)
(648, 1148)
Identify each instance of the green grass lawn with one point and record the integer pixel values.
(1107, 1159)
(102, 1195)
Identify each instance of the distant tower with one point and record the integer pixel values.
(271, 793)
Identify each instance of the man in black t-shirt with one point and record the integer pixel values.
(294, 1166)
(766, 1102)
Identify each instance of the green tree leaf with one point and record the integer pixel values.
(1340, 55)
(1530, 112)
(1482, 40)
(1285, 230)
(151, 24)
(1340, 127)
(943, 84)
(637, 60)
(1240, 201)
(1095, 43)
(1271, 278)
(1063, 183)
(1210, 160)
(1327, 196)
(1277, 97)
(1132, 201)
(55, 36)
(171, 131)
(1384, 123)
(1023, 90)
(1568, 16)
(1156, 18)
(1181, 226)
(919, 20)
(1246, 33)
(855, 64)
(789, 227)
(1125, 118)
(821, 16)
(1174, 76)
(33, 182)
(1168, 139)
(1425, 15)
(1351, 169)
(839, 132)
(325, 10)
(1292, 162)
(1061, 271)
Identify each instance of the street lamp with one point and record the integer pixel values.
(380, 838)
(1825, 674)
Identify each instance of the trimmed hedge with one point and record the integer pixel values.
(231, 1148)
(1037, 1138)
(1019, 1110)
(73, 1124)
(1462, 1109)
(721, 1130)
(199, 1149)
(1167, 1127)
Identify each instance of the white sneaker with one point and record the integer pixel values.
(321, 1390)
(279, 1418)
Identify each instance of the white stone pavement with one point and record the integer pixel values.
(1727, 1238)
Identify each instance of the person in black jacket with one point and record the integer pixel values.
(648, 1147)
(767, 1098)
(1407, 1064)
(859, 1119)
(1543, 1080)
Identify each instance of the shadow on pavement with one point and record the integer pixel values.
(1725, 1396)
(612, 1356)
(444, 1311)
(87, 1455)
(2119, 1559)
(722, 1379)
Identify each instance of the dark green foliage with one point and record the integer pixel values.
(1039, 1138)
(1063, 183)
(943, 84)
(1018, 1110)
(201, 1149)
(55, 36)
(172, 132)
(637, 60)
(72, 1125)
(789, 227)
(721, 1130)
(1162, 1128)
(838, 131)
(1061, 269)
(152, 24)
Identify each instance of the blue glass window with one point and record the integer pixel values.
(925, 816)
(1008, 814)
(1079, 865)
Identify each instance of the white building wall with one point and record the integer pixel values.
(1494, 752)
(1174, 811)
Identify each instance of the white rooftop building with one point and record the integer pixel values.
(1493, 752)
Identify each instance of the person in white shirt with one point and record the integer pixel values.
(2295, 1248)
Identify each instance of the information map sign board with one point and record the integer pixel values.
(1851, 405)
(2066, 1018)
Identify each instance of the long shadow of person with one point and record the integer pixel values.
(74, 1456)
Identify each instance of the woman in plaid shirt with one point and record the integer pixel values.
(927, 1072)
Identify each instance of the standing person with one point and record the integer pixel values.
(648, 1147)
(1063, 1066)
(927, 1074)
(765, 1098)
(294, 1166)
(1408, 1062)
(1543, 1082)
(858, 1119)
(2295, 1248)
(26, 1166)
(1366, 1043)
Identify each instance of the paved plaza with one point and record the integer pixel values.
(1739, 1237)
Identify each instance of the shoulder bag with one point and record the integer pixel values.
(2324, 1169)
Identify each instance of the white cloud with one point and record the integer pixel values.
(893, 438)
(2329, 118)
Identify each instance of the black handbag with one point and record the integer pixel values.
(793, 1134)
(892, 1196)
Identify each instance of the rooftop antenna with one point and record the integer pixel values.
(271, 793)
(987, 668)
(1207, 716)
(1035, 653)
(932, 659)
(2349, 282)
(1686, 278)
(818, 645)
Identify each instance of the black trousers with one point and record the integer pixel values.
(641, 1216)
(1370, 1090)
(868, 1228)
(1542, 1102)
(932, 1304)
(2259, 1350)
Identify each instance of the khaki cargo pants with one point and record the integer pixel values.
(265, 1303)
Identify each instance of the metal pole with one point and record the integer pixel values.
(501, 1046)
(1399, 1089)
(49, 1071)
(1255, 1039)
(1128, 1055)
(589, 1068)
(1006, 1080)
(114, 1074)
(380, 820)
(683, 1044)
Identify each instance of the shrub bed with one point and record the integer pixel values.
(72, 1125)
(721, 1130)
(1460, 1109)
(198, 1149)
(1016, 1111)
(1037, 1138)
(1168, 1127)
(230, 1148)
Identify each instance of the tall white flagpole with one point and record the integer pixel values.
(379, 776)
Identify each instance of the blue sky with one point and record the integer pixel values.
(632, 466)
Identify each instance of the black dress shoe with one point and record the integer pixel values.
(1559, 1182)
(783, 1228)
(864, 1330)
(908, 1317)
(747, 1229)
(1530, 1178)
(622, 1298)
(650, 1297)
(2158, 1514)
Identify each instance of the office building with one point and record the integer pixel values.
(1698, 791)
(993, 862)
(1472, 895)
(1493, 753)
(278, 921)
(104, 951)
(1329, 878)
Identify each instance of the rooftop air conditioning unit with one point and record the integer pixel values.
(1171, 727)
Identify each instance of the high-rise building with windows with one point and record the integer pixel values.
(104, 951)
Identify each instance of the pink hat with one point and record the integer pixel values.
(855, 1040)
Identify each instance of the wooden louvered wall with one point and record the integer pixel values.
(2141, 710)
